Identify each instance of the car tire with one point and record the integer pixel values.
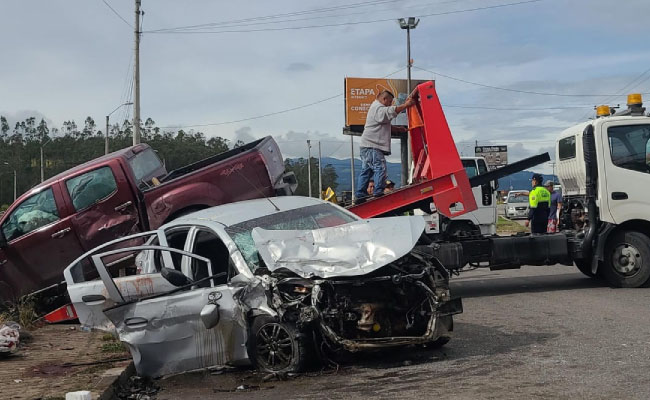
(627, 260)
(277, 347)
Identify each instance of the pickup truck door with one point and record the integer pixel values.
(103, 204)
(40, 243)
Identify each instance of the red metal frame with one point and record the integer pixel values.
(439, 172)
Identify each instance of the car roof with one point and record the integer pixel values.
(234, 213)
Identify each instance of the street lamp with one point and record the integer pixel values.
(107, 118)
(6, 163)
(408, 24)
(42, 171)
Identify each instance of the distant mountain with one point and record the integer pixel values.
(518, 181)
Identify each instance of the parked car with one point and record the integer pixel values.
(271, 282)
(517, 204)
(119, 194)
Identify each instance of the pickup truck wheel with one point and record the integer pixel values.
(627, 260)
(275, 346)
(584, 266)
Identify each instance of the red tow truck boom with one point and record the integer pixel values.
(439, 175)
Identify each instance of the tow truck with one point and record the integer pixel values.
(603, 166)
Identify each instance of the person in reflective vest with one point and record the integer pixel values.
(539, 200)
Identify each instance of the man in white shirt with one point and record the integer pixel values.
(375, 142)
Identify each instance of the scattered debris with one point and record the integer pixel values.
(240, 388)
(80, 395)
(9, 338)
(137, 388)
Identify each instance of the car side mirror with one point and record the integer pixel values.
(210, 315)
(176, 278)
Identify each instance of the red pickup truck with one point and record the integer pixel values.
(122, 193)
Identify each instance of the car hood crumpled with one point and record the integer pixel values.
(353, 249)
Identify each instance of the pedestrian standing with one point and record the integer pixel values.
(555, 210)
(539, 200)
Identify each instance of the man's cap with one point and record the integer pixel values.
(549, 183)
(389, 183)
(538, 178)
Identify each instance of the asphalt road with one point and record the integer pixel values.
(538, 332)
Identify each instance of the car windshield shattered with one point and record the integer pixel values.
(306, 218)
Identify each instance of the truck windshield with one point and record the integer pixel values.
(305, 218)
(145, 164)
(629, 147)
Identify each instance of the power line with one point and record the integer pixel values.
(506, 108)
(116, 13)
(274, 16)
(269, 114)
(264, 20)
(513, 90)
(346, 23)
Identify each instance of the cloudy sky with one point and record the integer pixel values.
(70, 59)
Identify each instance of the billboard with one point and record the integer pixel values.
(361, 92)
(495, 156)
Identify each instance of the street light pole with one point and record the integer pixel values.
(107, 124)
(407, 159)
(309, 166)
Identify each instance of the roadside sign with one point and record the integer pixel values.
(361, 92)
(495, 156)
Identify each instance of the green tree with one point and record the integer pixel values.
(299, 168)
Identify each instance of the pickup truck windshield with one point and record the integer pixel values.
(306, 218)
(145, 164)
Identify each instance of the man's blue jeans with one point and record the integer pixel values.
(373, 164)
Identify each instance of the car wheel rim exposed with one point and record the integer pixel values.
(274, 346)
(626, 259)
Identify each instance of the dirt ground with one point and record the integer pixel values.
(534, 333)
(59, 359)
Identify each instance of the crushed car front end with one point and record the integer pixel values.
(406, 302)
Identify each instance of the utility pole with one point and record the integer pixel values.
(407, 158)
(352, 164)
(309, 165)
(136, 86)
(42, 169)
(320, 174)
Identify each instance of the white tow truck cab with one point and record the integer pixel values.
(482, 221)
(604, 168)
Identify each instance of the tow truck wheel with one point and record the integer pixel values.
(627, 260)
(275, 346)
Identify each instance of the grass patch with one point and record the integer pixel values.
(23, 312)
(113, 347)
(107, 337)
(506, 225)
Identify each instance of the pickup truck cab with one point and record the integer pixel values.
(122, 193)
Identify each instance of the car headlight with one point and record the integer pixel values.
(511, 209)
